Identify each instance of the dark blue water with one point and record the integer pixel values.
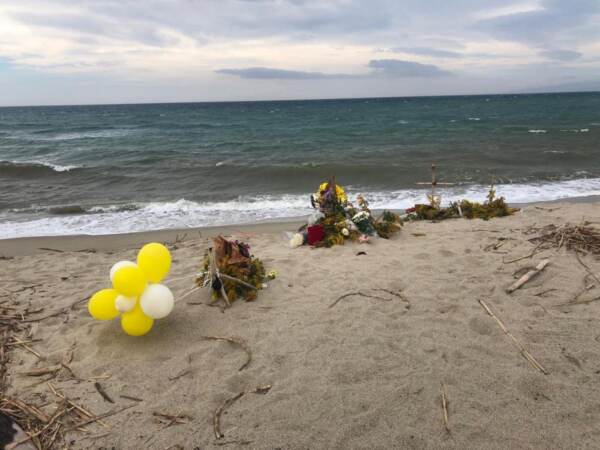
(100, 169)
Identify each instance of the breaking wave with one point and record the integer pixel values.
(69, 220)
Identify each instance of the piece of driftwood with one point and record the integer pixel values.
(227, 403)
(358, 293)
(237, 341)
(103, 393)
(529, 255)
(528, 356)
(528, 276)
(444, 399)
(587, 268)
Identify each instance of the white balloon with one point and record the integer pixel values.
(120, 265)
(124, 304)
(157, 301)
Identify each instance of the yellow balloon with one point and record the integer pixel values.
(130, 281)
(135, 322)
(155, 260)
(102, 305)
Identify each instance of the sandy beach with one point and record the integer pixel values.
(368, 372)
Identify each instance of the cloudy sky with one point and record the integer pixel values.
(122, 51)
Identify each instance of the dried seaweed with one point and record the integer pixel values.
(581, 238)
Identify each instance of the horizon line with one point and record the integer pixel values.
(594, 91)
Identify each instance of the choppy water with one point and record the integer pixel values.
(117, 168)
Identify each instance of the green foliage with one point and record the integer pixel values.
(487, 210)
(493, 207)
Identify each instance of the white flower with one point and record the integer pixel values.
(297, 240)
(345, 232)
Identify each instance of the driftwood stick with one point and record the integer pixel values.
(219, 411)
(227, 403)
(586, 267)
(530, 255)
(98, 418)
(444, 398)
(103, 393)
(237, 341)
(362, 294)
(528, 276)
(528, 356)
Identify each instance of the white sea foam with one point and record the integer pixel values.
(185, 213)
(537, 131)
(54, 166)
(474, 118)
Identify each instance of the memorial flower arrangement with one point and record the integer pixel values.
(338, 220)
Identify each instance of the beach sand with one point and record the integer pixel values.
(365, 373)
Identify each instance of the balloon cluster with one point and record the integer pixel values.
(136, 293)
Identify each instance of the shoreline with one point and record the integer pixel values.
(29, 245)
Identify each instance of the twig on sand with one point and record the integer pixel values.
(362, 294)
(445, 403)
(98, 418)
(530, 255)
(103, 393)
(129, 397)
(58, 312)
(528, 356)
(586, 267)
(528, 276)
(227, 403)
(237, 341)
(172, 419)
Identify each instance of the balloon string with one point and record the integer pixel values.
(191, 291)
(183, 278)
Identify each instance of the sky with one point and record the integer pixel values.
(130, 51)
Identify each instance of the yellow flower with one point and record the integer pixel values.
(339, 191)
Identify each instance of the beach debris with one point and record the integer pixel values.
(338, 220)
(445, 403)
(103, 393)
(262, 390)
(581, 238)
(46, 431)
(372, 294)
(492, 207)
(528, 276)
(524, 352)
(172, 419)
(231, 272)
(137, 295)
(529, 255)
(236, 341)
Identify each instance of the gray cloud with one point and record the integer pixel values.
(555, 20)
(427, 51)
(380, 67)
(266, 73)
(561, 55)
(401, 68)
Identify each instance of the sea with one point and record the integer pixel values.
(123, 168)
